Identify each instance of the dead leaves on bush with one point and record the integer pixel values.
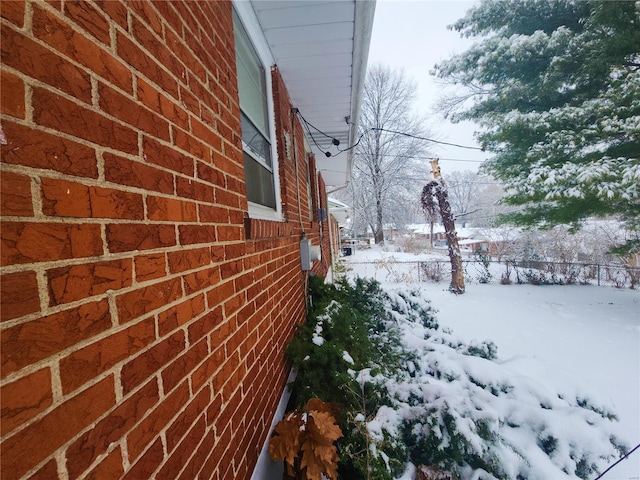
(305, 442)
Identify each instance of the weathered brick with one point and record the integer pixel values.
(26, 242)
(89, 18)
(122, 107)
(231, 199)
(123, 171)
(187, 417)
(221, 292)
(67, 284)
(49, 471)
(189, 188)
(189, 143)
(229, 269)
(55, 4)
(80, 366)
(16, 195)
(150, 427)
(161, 52)
(204, 325)
(183, 260)
(204, 373)
(34, 60)
(190, 101)
(132, 237)
(217, 253)
(11, 94)
(193, 234)
(234, 303)
(210, 174)
(179, 315)
(150, 266)
(27, 343)
(195, 464)
(142, 367)
(187, 17)
(161, 104)
(111, 466)
(233, 251)
(206, 132)
(69, 199)
(180, 368)
(54, 111)
(55, 429)
(37, 149)
(139, 302)
(86, 449)
(203, 94)
(201, 280)
(19, 293)
(168, 14)
(13, 11)
(167, 157)
(148, 14)
(147, 464)
(184, 451)
(24, 398)
(179, 48)
(141, 61)
(71, 43)
(170, 209)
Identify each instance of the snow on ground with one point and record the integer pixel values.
(587, 337)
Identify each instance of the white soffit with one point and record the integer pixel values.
(321, 49)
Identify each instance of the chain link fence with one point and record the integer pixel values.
(506, 272)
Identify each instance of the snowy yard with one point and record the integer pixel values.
(566, 338)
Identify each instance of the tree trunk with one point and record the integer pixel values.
(379, 233)
(457, 273)
(431, 233)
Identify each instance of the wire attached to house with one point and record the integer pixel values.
(308, 126)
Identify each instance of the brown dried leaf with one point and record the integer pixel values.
(315, 404)
(323, 428)
(285, 442)
(319, 454)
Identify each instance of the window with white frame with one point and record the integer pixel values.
(254, 90)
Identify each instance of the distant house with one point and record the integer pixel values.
(161, 201)
(495, 242)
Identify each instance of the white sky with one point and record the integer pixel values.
(412, 35)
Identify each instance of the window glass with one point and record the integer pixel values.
(252, 90)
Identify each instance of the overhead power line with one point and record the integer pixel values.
(334, 141)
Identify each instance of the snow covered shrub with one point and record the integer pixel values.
(431, 271)
(406, 389)
(348, 330)
(464, 411)
(484, 275)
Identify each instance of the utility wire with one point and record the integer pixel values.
(427, 139)
(422, 157)
(619, 460)
(336, 142)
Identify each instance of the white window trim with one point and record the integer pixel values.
(250, 22)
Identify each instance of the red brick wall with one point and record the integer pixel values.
(144, 315)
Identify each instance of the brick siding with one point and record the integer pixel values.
(144, 314)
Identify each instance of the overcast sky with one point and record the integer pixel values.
(412, 35)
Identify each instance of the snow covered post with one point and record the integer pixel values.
(437, 188)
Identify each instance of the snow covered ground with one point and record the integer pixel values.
(584, 336)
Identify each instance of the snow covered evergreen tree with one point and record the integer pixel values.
(555, 84)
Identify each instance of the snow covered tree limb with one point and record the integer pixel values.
(556, 87)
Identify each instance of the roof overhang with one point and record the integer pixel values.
(339, 210)
(321, 50)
